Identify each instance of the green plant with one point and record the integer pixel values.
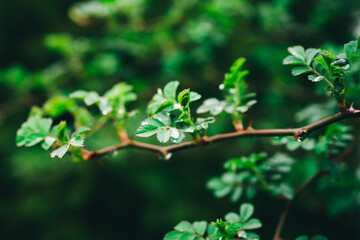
(170, 119)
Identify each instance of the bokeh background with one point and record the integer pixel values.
(51, 48)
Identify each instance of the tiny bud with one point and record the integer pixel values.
(351, 109)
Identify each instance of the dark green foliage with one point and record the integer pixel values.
(324, 66)
(248, 174)
(146, 44)
(237, 101)
(235, 227)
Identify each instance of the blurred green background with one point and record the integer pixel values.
(51, 48)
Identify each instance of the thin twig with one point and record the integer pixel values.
(297, 192)
(225, 136)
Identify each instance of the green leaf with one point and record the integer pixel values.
(253, 223)
(300, 70)
(59, 105)
(291, 60)
(163, 135)
(232, 217)
(200, 227)
(80, 94)
(252, 236)
(48, 142)
(176, 132)
(310, 54)
(297, 51)
(350, 48)
(61, 132)
(33, 139)
(223, 191)
(163, 117)
(33, 131)
(235, 196)
(194, 96)
(184, 226)
(328, 57)
(77, 141)
(170, 90)
(104, 106)
(147, 130)
(211, 230)
(91, 98)
(81, 131)
(176, 235)
(246, 210)
(322, 62)
(315, 78)
(184, 98)
(302, 238)
(60, 152)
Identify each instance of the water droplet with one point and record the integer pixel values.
(301, 136)
(165, 156)
(114, 154)
(221, 86)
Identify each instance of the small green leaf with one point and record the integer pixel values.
(48, 142)
(297, 51)
(302, 238)
(81, 131)
(184, 226)
(61, 132)
(77, 141)
(291, 60)
(300, 70)
(315, 78)
(328, 57)
(211, 230)
(104, 106)
(322, 62)
(147, 130)
(60, 152)
(180, 137)
(45, 125)
(33, 139)
(232, 217)
(253, 223)
(170, 90)
(163, 135)
(184, 98)
(194, 96)
(350, 48)
(252, 236)
(91, 98)
(235, 196)
(310, 54)
(246, 210)
(163, 117)
(200, 227)
(153, 121)
(176, 235)
(80, 94)
(223, 191)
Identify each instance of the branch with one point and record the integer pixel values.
(297, 192)
(164, 150)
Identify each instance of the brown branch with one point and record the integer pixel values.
(297, 192)
(164, 150)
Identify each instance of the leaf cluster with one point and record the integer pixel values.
(235, 227)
